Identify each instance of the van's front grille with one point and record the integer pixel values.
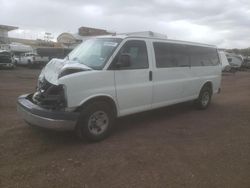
(43, 84)
(49, 96)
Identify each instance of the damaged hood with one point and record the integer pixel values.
(52, 70)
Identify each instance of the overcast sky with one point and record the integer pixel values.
(224, 23)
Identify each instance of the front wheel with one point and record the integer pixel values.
(204, 98)
(95, 122)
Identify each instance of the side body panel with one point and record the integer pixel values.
(179, 84)
(133, 90)
(133, 87)
(81, 87)
(201, 75)
(170, 84)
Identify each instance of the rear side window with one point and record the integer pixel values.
(203, 56)
(170, 55)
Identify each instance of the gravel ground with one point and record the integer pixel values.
(177, 146)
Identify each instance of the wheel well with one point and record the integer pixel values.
(100, 98)
(208, 84)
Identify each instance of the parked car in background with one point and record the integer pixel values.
(246, 62)
(114, 76)
(32, 59)
(224, 62)
(234, 60)
(6, 60)
(16, 59)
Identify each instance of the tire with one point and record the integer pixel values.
(89, 127)
(204, 98)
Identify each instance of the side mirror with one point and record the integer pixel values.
(123, 61)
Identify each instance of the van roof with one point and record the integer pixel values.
(154, 36)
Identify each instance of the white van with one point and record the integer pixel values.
(113, 76)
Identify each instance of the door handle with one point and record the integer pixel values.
(150, 75)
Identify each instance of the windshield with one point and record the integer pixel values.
(94, 53)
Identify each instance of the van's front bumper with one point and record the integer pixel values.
(50, 119)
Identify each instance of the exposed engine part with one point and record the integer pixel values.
(49, 96)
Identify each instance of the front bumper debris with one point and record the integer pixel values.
(45, 118)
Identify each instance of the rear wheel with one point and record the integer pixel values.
(204, 98)
(95, 122)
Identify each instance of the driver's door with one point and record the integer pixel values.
(134, 83)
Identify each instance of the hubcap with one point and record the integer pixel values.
(205, 98)
(98, 122)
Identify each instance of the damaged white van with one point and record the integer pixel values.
(113, 76)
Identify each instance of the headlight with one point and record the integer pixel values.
(41, 76)
(69, 71)
(50, 96)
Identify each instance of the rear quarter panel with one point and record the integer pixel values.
(202, 75)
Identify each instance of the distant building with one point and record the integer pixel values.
(69, 40)
(4, 29)
(18, 45)
(87, 31)
(34, 43)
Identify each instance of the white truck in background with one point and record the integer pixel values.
(32, 59)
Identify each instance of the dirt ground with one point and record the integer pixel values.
(177, 146)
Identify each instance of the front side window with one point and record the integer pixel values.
(94, 53)
(137, 51)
